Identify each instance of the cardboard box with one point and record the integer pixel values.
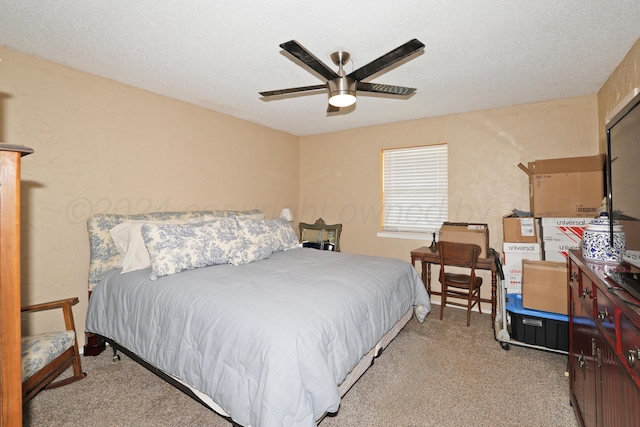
(544, 286)
(567, 187)
(563, 230)
(514, 253)
(560, 235)
(513, 283)
(559, 251)
(519, 230)
(462, 232)
(556, 256)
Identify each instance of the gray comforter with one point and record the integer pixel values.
(268, 341)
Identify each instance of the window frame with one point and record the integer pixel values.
(436, 157)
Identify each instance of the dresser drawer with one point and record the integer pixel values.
(605, 315)
(630, 339)
(583, 286)
(587, 293)
(574, 276)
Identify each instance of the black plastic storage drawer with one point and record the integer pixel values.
(535, 327)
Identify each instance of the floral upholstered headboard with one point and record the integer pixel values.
(104, 255)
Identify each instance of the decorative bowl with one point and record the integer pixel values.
(596, 241)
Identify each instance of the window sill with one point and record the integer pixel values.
(405, 235)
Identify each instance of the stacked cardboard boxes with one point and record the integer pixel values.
(564, 194)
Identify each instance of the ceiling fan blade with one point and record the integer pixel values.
(332, 108)
(387, 60)
(388, 89)
(292, 90)
(296, 49)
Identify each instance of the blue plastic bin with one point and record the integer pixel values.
(535, 327)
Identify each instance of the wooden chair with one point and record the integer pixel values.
(459, 285)
(46, 356)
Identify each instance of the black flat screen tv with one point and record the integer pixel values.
(623, 172)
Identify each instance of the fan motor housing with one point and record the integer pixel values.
(342, 86)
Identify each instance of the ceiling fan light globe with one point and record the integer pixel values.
(342, 92)
(342, 100)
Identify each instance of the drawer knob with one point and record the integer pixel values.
(581, 362)
(585, 292)
(602, 315)
(633, 356)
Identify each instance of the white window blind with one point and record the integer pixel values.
(414, 188)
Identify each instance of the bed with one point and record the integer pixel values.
(231, 309)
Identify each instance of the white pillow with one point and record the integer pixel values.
(127, 237)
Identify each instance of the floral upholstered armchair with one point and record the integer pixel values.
(46, 356)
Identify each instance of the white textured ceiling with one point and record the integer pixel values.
(479, 54)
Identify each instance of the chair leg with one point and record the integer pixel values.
(77, 364)
(443, 300)
(77, 371)
(469, 305)
(478, 300)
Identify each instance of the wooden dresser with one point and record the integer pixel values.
(10, 365)
(604, 338)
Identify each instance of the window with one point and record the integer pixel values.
(414, 189)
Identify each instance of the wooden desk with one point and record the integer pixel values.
(426, 257)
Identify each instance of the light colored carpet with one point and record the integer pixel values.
(439, 373)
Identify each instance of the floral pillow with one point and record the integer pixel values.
(257, 241)
(103, 254)
(177, 247)
(261, 237)
(284, 238)
(246, 214)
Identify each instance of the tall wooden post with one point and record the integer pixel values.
(10, 365)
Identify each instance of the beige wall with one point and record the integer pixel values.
(485, 183)
(101, 146)
(622, 81)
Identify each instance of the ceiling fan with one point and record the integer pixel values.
(342, 88)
